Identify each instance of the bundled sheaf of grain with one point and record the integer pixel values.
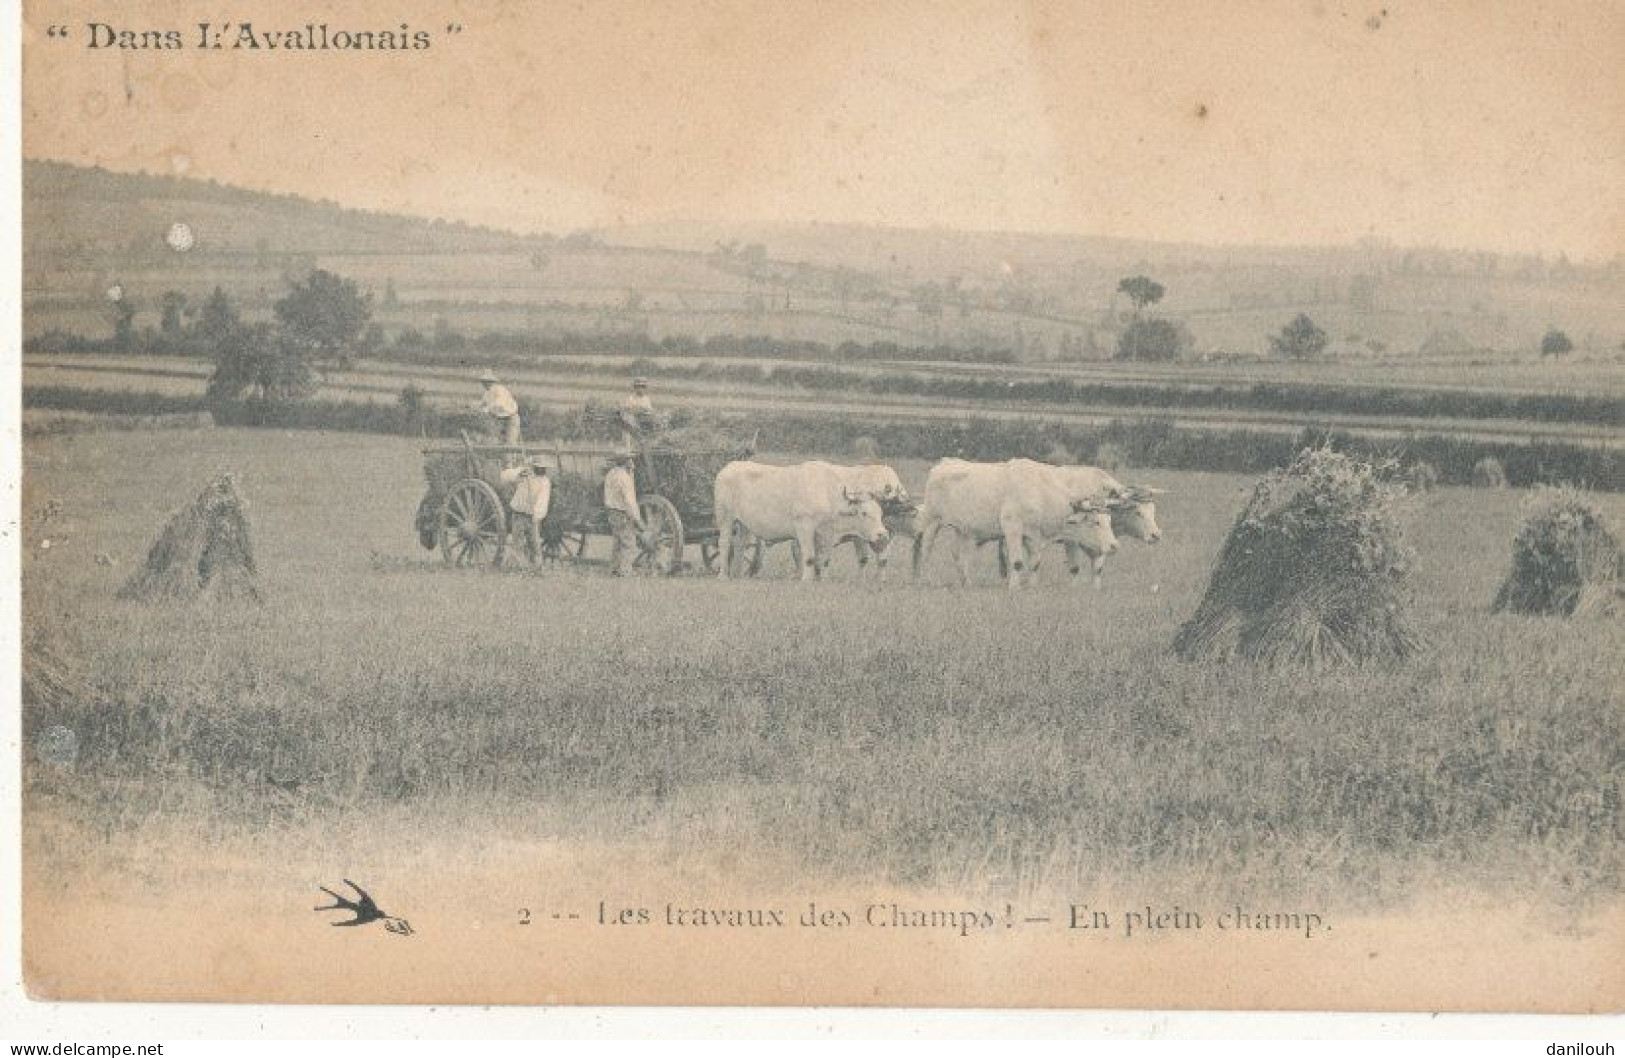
(1314, 571)
(1420, 476)
(1489, 473)
(205, 548)
(1565, 561)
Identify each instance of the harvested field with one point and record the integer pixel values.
(901, 735)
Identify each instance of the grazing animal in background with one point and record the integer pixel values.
(1133, 511)
(1023, 504)
(808, 503)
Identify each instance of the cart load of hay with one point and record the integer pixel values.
(611, 422)
(1565, 561)
(680, 464)
(1314, 571)
(442, 469)
(685, 463)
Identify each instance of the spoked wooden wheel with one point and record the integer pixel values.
(473, 528)
(660, 545)
(563, 545)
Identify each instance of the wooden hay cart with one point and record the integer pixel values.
(464, 513)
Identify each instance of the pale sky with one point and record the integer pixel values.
(1472, 124)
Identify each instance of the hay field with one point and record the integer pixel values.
(901, 735)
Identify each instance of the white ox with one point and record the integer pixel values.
(1133, 511)
(1022, 504)
(898, 511)
(808, 503)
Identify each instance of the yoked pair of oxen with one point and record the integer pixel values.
(1023, 504)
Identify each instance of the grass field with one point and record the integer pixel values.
(907, 734)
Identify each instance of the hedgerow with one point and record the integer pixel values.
(1149, 443)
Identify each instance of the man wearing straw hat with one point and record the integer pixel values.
(532, 495)
(499, 404)
(621, 504)
(637, 412)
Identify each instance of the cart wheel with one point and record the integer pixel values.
(708, 556)
(660, 545)
(473, 527)
(563, 545)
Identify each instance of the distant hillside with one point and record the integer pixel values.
(1042, 296)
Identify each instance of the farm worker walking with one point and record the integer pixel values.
(499, 404)
(637, 412)
(621, 504)
(532, 495)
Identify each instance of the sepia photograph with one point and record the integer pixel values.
(1067, 504)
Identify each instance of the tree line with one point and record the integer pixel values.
(325, 321)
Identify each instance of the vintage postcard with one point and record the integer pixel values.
(1076, 504)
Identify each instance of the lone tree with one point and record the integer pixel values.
(1154, 339)
(173, 325)
(1142, 290)
(319, 323)
(216, 318)
(258, 361)
(122, 310)
(1299, 340)
(1556, 343)
(324, 316)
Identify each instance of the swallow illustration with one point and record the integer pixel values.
(364, 910)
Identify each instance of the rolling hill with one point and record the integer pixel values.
(1042, 296)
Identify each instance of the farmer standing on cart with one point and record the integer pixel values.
(499, 404)
(621, 505)
(637, 413)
